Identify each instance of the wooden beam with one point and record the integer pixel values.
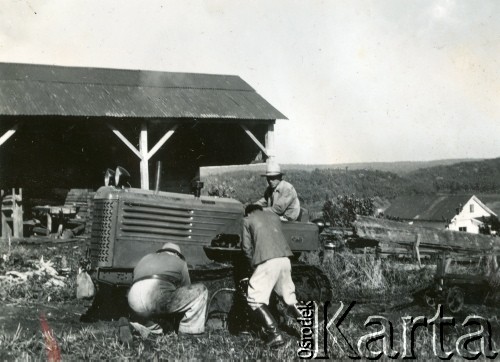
(162, 141)
(143, 153)
(124, 140)
(8, 134)
(143, 150)
(251, 135)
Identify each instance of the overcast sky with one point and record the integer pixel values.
(360, 81)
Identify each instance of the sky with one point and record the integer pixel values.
(359, 81)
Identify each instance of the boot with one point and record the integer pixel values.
(271, 334)
(294, 311)
(292, 321)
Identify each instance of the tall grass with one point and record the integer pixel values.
(20, 345)
(364, 276)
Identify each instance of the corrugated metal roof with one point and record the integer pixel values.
(29, 89)
(409, 207)
(445, 207)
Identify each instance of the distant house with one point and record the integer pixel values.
(470, 216)
(456, 212)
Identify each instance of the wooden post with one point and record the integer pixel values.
(447, 264)
(328, 255)
(143, 150)
(270, 141)
(18, 218)
(49, 223)
(6, 230)
(417, 250)
(12, 214)
(494, 261)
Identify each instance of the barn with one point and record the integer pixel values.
(62, 127)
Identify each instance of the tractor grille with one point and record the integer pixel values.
(127, 225)
(155, 221)
(101, 245)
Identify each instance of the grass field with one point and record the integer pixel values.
(379, 287)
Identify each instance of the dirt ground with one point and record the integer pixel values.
(21, 313)
(64, 319)
(27, 317)
(66, 315)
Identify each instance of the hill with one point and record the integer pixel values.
(481, 176)
(317, 185)
(399, 167)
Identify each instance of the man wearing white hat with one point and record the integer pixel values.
(280, 196)
(162, 286)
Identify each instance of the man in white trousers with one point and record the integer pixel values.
(267, 251)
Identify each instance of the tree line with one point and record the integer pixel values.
(320, 185)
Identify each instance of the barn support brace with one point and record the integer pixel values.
(8, 134)
(143, 153)
(268, 149)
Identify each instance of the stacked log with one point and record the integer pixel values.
(393, 237)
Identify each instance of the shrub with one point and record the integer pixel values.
(342, 212)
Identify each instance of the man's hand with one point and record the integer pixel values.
(243, 286)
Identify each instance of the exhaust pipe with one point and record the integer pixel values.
(197, 186)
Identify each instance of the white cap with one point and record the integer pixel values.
(172, 246)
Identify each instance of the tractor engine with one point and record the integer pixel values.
(130, 223)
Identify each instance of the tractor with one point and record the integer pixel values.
(129, 223)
